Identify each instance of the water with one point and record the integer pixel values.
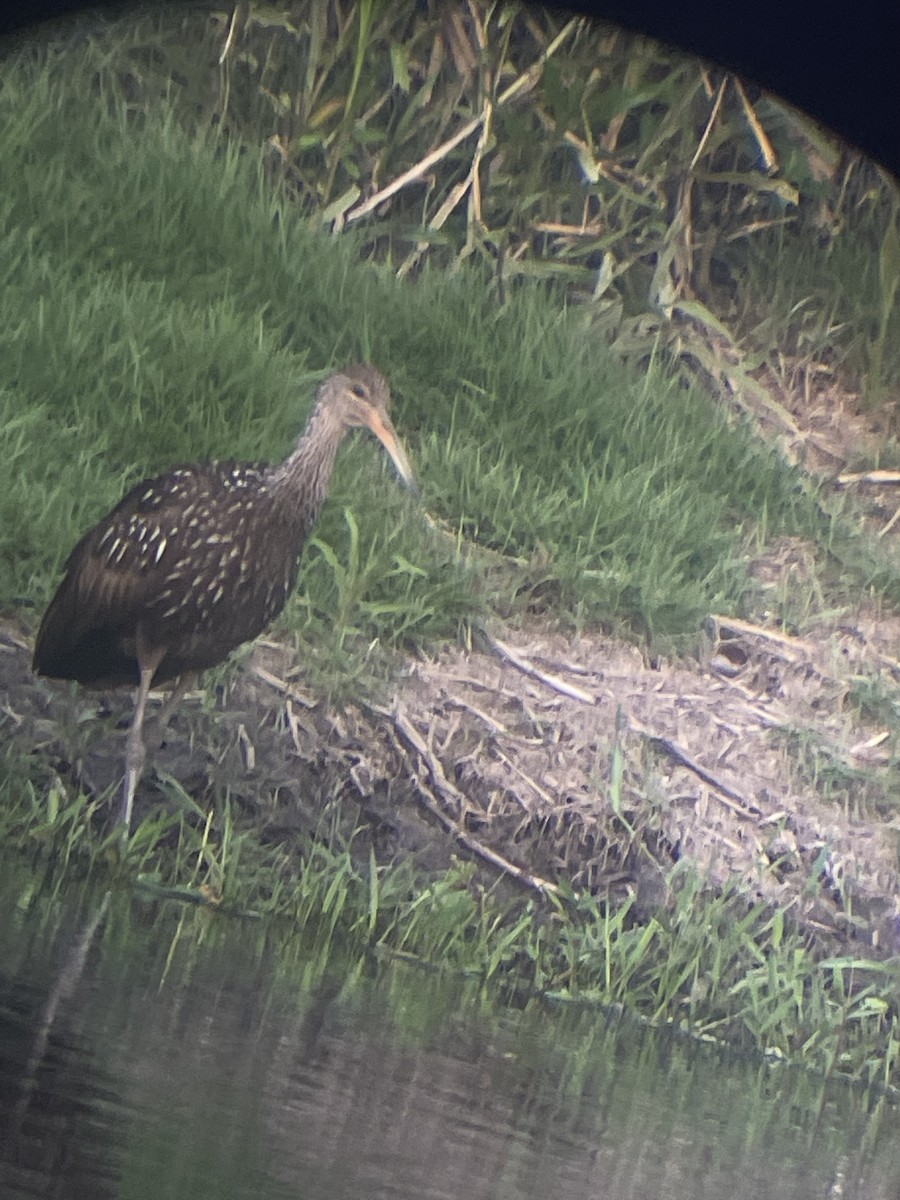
(153, 1050)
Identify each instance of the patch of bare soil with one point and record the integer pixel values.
(546, 757)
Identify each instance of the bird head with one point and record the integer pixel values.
(360, 397)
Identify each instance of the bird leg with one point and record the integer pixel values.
(135, 747)
(182, 685)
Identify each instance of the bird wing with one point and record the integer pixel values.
(119, 572)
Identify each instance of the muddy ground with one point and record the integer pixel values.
(547, 757)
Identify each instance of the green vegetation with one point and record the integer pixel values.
(722, 969)
(170, 305)
(167, 293)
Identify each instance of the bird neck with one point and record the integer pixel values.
(299, 484)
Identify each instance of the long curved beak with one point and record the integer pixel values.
(381, 426)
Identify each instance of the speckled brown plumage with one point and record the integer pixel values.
(193, 562)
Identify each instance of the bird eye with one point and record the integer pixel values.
(359, 390)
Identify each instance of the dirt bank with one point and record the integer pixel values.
(547, 758)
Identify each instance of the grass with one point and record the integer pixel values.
(623, 173)
(156, 335)
(854, 789)
(163, 298)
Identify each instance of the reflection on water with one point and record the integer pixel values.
(153, 1050)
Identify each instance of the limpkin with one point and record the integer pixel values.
(195, 561)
